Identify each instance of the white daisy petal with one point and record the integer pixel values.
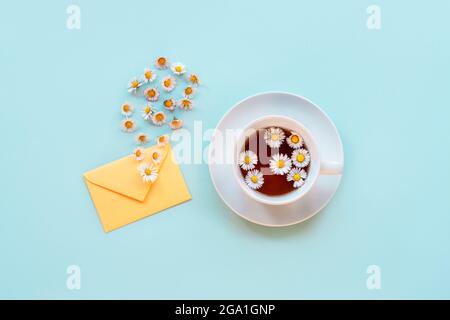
(274, 137)
(161, 63)
(147, 112)
(301, 158)
(128, 125)
(178, 68)
(295, 141)
(148, 172)
(148, 76)
(298, 176)
(141, 138)
(159, 118)
(139, 154)
(280, 164)
(168, 83)
(133, 85)
(127, 109)
(254, 179)
(151, 94)
(247, 160)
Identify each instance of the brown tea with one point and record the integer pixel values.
(274, 184)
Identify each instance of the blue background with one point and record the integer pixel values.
(386, 90)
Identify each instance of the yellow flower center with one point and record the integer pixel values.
(148, 171)
(194, 78)
(126, 108)
(254, 179)
(148, 75)
(274, 137)
(142, 138)
(148, 110)
(186, 103)
(280, 164)
(297, 177)
(134, 83)
(247, 160)
(161, 139)
(300, 157)
(188, 90)
(155, 155)
(151, 93)
(168, 103)
(159, 117)
(295, 139)
(162, 61)
(138, 153)
(128, 124)
(167, 83)
(178, 68)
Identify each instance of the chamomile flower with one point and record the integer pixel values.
(148, 172)
(295, 141)
(147, 112)
(178, 68)
(300, 158)
(188, 92)
(128, 125)
(280, 164)
(161, 63)
(274, 137)
(159, 118)
(156, 156)
(168, 83)
(141, 138)
(298, 176)
(134, 84)
(247, 160)
(170, 104)
(193, 78)
(151, 94)
(148, 76)
(162, 140)
(185, 104)
(176, 124)
(139, 154)
(254, 179)
(126, 109)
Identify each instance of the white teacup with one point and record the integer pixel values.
(317, 165)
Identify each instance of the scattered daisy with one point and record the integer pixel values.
(178, 68)
(161, 63)
(176, 124)
(159, 118)
(128, 125)
(300, 158)
(168, 83)
(126, 109)
(247, 160)
(141, 138)
(189, 92)
(254, 179)
(147, 112)
(133, 85)
(298, 176)
(162, 140)
(151, 94)
(185, 104)
(274, 137)
(139, 154)
(295, 141)
(148, 172)
(170, 104)
(148, 76)
(193, 78)
(280, 164)
(156, 156)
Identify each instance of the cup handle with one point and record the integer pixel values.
(331, 168)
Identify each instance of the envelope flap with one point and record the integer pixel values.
(122, 176)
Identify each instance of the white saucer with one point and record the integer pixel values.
(320, 126)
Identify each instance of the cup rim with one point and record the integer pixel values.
(299, 193)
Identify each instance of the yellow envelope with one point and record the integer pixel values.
(121, 197)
